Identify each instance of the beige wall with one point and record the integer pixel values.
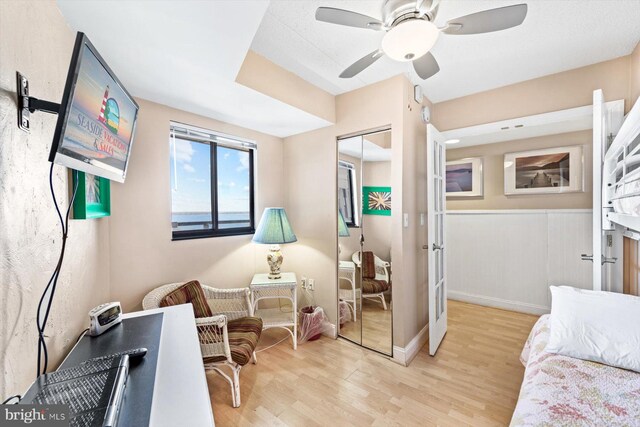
(569, 89)
(493, 166)
(414, 301)
(634, 75)
(30, 236)
(260, 74)
(555, 92)
(310, 174)
(142, 253)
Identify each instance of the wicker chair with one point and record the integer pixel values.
(375, 289)
(223, 336)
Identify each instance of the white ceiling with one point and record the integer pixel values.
(556, 36)
(186, 54)
(366, 150)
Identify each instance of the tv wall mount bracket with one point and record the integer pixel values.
(28, 104)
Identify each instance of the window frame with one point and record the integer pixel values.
(215, 140)
(353, 202)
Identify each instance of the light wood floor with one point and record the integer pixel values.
(473, 380)
(373, 326)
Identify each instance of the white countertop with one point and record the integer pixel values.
(180, 394)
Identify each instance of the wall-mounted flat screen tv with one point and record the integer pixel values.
(97, 117)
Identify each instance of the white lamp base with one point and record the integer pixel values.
(274, 259)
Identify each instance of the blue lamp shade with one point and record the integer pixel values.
(274, 228)
(343, 230)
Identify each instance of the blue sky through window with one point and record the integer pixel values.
(191, 181)
(190, 177)
(233, 180)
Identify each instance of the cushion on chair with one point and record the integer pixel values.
(368, 265)
(372, 286)
(190, 292)
(244, 334)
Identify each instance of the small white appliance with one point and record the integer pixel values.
(104, 317)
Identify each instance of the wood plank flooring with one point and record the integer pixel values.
(373, 326)
(473, 380)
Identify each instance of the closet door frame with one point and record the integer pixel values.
(358, 274)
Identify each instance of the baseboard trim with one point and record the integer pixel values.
(522, 307)
(404, 355)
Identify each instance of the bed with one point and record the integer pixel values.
(563, 391)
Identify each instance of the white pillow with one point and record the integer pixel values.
(602, 327)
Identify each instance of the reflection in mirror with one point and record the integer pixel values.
(375, 265)
(349, 221)
(364, 240)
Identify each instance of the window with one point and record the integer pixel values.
(212, 190)
(347, 196)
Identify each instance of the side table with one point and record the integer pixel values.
(263, 288)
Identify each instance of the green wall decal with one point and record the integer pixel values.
(93, 198)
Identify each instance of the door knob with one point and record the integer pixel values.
(425, 246)
(436, 247)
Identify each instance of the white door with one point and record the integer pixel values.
(607, 240)
(436, 212)
(599, 144)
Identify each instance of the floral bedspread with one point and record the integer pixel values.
(563, 391)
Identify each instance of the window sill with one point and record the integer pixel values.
(191, 236)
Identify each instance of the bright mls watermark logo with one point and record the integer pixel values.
(34, 415)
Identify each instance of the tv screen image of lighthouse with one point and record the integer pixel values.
(101, 118)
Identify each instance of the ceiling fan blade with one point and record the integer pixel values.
(488, 20)
(348, 18)
(361, 64)
(426, 66)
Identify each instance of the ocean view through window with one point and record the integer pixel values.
(212, 185)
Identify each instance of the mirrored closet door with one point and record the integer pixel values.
(364, 240)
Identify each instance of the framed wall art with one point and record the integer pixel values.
(93, 198)
(377, 201)
(548, 171)
(465, 178)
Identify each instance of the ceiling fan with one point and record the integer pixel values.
(411, 32)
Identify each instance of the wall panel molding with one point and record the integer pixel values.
(509, 258)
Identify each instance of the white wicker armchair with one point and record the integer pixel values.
(213, 332)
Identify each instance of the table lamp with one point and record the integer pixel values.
(343, 230)
(274, 229)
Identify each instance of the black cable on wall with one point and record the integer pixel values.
(53, 280)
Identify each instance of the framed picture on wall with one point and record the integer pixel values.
(377, 201)
(93, 198)
(548, 171)
(465, 178)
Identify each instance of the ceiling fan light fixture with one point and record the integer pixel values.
(410, 40)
